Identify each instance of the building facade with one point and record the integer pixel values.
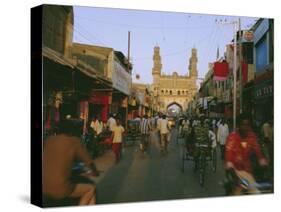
(173, 89)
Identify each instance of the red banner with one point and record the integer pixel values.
(220, 71)
(99, 99)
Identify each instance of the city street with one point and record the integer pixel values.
(154, 177)
(217, 89)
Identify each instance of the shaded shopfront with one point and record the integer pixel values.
(258, 101)
(263, 101)
(58, 80)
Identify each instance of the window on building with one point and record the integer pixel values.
(179, 92)
(171, 92)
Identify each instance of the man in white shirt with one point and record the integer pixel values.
(118, 131)
(111, 122)
(212, 137)
(223, 132)
(97, 126)
(164, 131)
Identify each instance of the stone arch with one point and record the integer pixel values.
(174, 103)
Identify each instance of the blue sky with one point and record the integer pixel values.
(175, 33)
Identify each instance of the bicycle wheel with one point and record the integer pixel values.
(202, 161)
(214, 160)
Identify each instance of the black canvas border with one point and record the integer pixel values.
(36, 106)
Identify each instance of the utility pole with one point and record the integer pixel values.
(240, 67)
(235, 23)
(128, 68)
(129, 48)
(234, 74)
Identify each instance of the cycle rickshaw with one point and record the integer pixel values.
(133, 134)
(201, 154)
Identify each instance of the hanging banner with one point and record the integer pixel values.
(251, 72)
(99, 98)
(205, 103)
(220, 71)
(245, 73)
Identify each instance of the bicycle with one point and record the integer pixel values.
(201, 161)
(204, 154)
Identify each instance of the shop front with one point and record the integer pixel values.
(57, 80)
(132, 107)
(99, 105)
(263, 102)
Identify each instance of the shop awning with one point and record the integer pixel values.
(57, 57)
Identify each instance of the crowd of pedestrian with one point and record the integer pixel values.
(237, 148)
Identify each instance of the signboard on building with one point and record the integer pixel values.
(261, 30)
(121, 79)
(263, 90)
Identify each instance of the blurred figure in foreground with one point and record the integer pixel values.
(60, 153)
(241, 148)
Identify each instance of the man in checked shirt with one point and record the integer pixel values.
(145, 128)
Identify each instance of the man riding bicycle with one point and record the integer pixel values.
(201, 136)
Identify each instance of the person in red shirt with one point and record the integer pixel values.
(241, 145)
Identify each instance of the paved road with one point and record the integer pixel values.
(154, 177)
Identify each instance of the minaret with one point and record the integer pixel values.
(156, 70)
(157, 66)
(193, 64)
